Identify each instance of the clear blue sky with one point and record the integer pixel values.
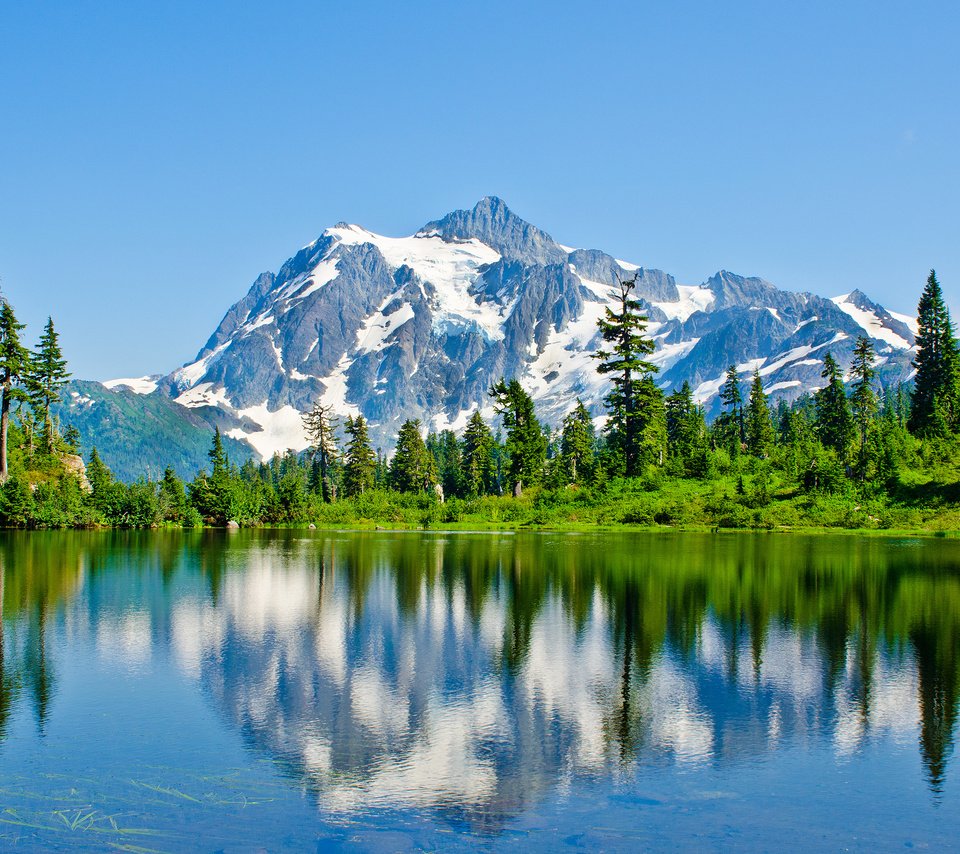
(154, 158)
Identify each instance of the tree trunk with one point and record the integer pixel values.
(4, 433)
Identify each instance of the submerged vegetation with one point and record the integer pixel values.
(852, 455)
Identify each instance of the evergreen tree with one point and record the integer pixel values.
(576, 443)
(97, 472)
(361, 462)
(412, 468)
(681, 423)
(935, 408)
(46, 375)
(320, 425)
(631, 418)
(445, 450)
(759, 427)
(14, 362)
(863, 400)
(835, 425)
(173, 498)
(526, 444)
(731, 425)
(477, 457)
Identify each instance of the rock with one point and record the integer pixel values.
(312, 527)
(233, 525)
(74, 465)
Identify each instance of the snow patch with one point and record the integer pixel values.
(451, 267)
(336, 389)
(782, 385)
(190, 375)
(280, 431)
(204, 395)
(870, 323)
(376, 328)
(693, 298)
(138, 385)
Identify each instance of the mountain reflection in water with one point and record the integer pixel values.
(478, 673)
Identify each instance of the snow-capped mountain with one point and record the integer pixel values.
(420, 326)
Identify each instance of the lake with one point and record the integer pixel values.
(310, 691)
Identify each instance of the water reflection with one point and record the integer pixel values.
(475, 674)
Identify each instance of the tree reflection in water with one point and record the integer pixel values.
(477, 672)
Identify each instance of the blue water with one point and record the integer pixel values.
(279, 691)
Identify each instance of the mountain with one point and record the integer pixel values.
(139, 434)
(420, 326)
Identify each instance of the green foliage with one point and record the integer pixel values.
(477, 459)
(635, 404)
(526, 445)
(758, 425)
(46, 375)
(413, 468)
(835, 425)
(577, 445)
(935, 402)
(360, 465)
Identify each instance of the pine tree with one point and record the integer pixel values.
(217, 455)
(14, 362)
(477, 457)
(681, 425)
(320, 425)
(731, 425)
(835, 425)
(412, 468)
(526, 444)
(759, 427)
(863, 400)
(361, 462)
(46, 375)
(935, 407)
(445, 450)
(97, 472)
(173, 498)
(576, 443)
(628, 402)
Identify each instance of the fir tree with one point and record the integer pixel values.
(320, 425)
(477, 457)
(46, 376)
(628, 402)
(863, 400)
(360, 462)
(97, 472)
(526, 445)
(934, 404)
(682, 425)
(759, 427)
(576, 443)
(835, 425)
(412, 468)
(445, 450)
(14, 362)
(173, 498)
(731, 425)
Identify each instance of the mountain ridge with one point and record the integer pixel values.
(420, 326)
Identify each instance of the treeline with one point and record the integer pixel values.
(852, 454)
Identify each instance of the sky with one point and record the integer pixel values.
(154, 158)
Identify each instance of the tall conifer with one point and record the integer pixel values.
(636, 408)
(14, 361)
(934, 404)
(46, 376)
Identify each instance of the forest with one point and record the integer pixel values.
(852, 455)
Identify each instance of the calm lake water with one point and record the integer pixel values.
(294, 691)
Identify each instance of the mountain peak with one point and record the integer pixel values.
(491, 222)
